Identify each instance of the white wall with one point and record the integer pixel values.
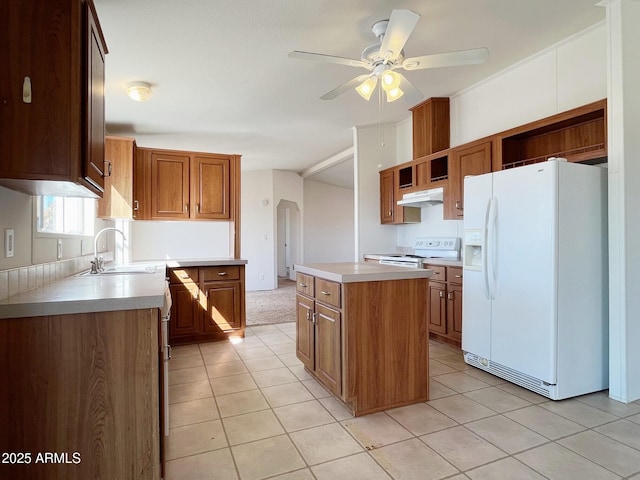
(369, 157)
(288, 189)
(567, 75)
(151, 240)
(257, 237)
(329, 223)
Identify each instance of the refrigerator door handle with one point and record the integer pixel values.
(485, 266)
(491, 247)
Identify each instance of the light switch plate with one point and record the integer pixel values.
(9, 242)
(59, 252)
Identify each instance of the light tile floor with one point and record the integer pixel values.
(250, 411)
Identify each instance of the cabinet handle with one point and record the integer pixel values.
(457, 276)
(309, 315)
(222, 274)
(186, 207)
(108, 168)
(303, 285)
(206, 293)
(324, 292)
(136, 205)
(313, 318)
(459, 205)
(198, 207)
(185, 277)
(450, 296)
(441, 293)
(390, 212)
(168, 352)
(26, 90)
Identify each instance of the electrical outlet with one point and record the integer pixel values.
(261, 276)
(59, 253)
(9, 242)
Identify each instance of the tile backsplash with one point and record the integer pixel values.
(21, 279)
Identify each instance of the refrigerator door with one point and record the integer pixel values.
(476, 305)
(524, 316)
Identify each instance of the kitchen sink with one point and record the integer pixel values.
(122, 270)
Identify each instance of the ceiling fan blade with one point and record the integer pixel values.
(411, 94)
(319, 57)
(401, 24)
(353, 83)
(449, 59)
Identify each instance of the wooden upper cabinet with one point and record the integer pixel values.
(431, 126)
(387, 196)
(210, 187)
(52, 97)
(169, 186)
(179, 185)
(117, 200)
(470, 159)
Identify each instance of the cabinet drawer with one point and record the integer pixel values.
(183, 275)
(211, 274)
(439, 273)
(454, 275)
(305, 284)
(328, 292)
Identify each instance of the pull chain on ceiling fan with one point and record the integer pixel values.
(386, 56)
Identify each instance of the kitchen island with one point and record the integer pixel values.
(80, 378)
(362, 332)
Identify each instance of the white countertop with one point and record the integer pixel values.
(433, 261)
(348, 272)
(99, 293)
(204, 262)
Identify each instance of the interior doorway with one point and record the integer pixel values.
(288, 238)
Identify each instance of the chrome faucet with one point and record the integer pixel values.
(96, 263)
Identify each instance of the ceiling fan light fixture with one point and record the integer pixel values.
(139, 91)
(394, 94)
(390, 80)
(366, 88)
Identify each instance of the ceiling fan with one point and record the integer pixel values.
(386, 56)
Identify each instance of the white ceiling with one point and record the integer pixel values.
(223, 82)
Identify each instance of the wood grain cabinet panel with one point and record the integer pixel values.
(86, 383)
(117, 199)
(169, 186)
(444, 304)
(179, 185)
(364, 346)
(52, 97)
(208, 303)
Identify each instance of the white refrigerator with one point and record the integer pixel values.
(535, 295)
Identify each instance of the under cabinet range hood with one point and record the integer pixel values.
(422, 198)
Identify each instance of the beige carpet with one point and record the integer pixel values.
(265, 307)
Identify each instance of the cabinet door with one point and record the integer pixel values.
(223, 306)
(117, 200)
(437, 307)
(169, 186)
(210, 182)
(474, 159)
(94, 162)
(185, 309)
(305, 331)
(387, 196)
(328, 356)
(454, 312)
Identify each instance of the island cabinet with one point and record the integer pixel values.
(52, 97)
(177, 185)
(444, 303)
(358, 339)
(208, 303)
(85, 387)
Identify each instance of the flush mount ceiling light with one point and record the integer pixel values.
(139, 91)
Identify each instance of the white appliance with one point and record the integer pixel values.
(425, 248)
(433, 196)
(535, 297)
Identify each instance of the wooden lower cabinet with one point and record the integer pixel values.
(84, 386)
(444, 303)
(208, 303)
(364, 346)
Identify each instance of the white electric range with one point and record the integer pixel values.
(425, 248)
